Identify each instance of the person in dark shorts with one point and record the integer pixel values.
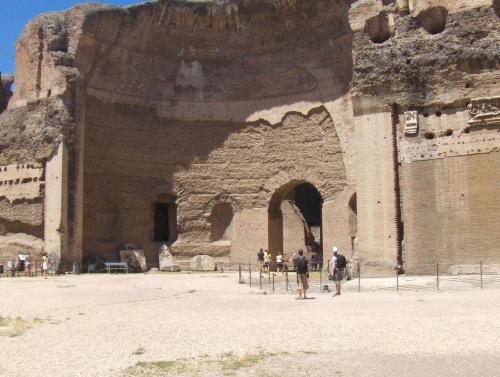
(302, 275)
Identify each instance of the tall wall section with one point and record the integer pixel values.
(237, 101)
(437, 63)
(134, 156)
(219, 105)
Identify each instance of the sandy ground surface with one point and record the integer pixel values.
(208, 325)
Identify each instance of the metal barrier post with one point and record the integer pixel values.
(239, 271)
(481, 273)
(273, 283)
(250, 272)
(286, 282)
(437, 276)
(359, 277)
(270, 278)
(260, 280)
(397, 280)
(321, 279)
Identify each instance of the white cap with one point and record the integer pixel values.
(334, 249)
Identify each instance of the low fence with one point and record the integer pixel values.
(283, 278)
(428, 277)
(17, 268)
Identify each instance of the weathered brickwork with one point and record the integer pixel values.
(192, 123)
(133, 156)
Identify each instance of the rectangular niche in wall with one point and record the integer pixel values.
(165, 219)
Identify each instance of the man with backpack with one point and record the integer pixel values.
(302, 275)
(260, 259)
(338, 264)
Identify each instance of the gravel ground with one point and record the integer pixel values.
(208, 325)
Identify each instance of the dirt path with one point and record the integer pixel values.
(206, 324)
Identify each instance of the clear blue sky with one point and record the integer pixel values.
(14, 14)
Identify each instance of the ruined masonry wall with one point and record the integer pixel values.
(23, 181)
(132, 156)
(451, 212)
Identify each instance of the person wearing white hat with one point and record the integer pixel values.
(337, 264)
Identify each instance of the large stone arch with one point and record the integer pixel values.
(275, 215)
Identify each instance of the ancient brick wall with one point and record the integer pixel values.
(220, 105)
(21, 209)
(133, 155)
(449, 184)
(451, 211)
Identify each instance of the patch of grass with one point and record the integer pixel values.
(231, 362)
(157, 368)
(162, 365)
(13, 327)
(139, 351)
(228, 364)
(309, 352)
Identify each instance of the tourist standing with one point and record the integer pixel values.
(27, 266)
(279, 263)
(267, 260)
(302, 275)
(337, 266)
(45, 265)
(260, 259)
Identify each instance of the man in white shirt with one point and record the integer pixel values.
(279, 263)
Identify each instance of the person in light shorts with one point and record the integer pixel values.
(45, 265)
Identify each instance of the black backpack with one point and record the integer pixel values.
(341, 261)
(301, 265)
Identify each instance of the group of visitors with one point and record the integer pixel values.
(27, 264)
(336, 268)
(264, 258)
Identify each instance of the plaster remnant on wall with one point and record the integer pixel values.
(411, 122)
(190, 76)
(485, 111)
(21, 181)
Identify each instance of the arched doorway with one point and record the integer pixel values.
(295, 220)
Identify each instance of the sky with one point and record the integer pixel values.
(14, 14)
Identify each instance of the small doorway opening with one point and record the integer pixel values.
(165, 219)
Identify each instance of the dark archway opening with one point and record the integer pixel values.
(165, 219)
(295, 221)
(162, 230)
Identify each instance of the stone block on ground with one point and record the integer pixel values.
(135, 259)
(167, 262)
(202, 263)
